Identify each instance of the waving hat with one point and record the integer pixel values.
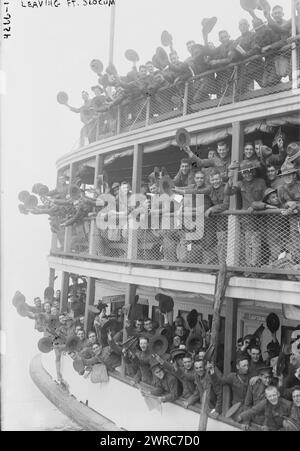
(268, 192)
(18, 299)
(99, 374)
(22, 209)
(23, 196)
(49, 293)
(40, 189)
(132, 55)
(78, 366)
(166, 39)
(62, 98)
(273, 323)
(158, 344)
(192, 319)
(22, 309)
(31, 202)
(96, 66)
(208, 24)
(194, 343)
(166, 303)
(183, 138)
(160, 59)
(45, 345)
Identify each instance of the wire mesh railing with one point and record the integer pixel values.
(267, 73)
(261, 243)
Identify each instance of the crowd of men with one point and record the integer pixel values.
(164, 77)
(266, 180)
(174, 360)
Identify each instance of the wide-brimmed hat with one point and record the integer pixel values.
(194, 343)
(192, 319)
(78, 365)
(45, 345)
(268, 192)
(177, 353)
(288, 170)
(265, 369)
(248, 165)
(18, 299)
(22, 309)
(273, 322)
(166, 303)
(208, 24)
(23, 196)
(158, 344)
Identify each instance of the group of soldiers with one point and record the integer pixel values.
(164, 77)
(174, 360)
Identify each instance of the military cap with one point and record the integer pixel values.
(288, 169)
(268, 192)
(273, 322)
(265, 369)
(293, 148)
(248, 165)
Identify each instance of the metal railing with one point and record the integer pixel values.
(263, 243)
(265, 74)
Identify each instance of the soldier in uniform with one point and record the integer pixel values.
(289, 196)
(185, 176)
(272, 179)
(252, 190)
(256, 391)
(295, 410)
(273, 409)
(256, 361)
(221, 162)
(166, 385)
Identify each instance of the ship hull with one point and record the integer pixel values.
(111, 406)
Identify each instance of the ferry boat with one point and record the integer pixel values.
(127, 146)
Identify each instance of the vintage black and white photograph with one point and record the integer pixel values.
(150, 217)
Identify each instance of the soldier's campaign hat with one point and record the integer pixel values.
(18, 299)
(194, 343)
(268, 192)
(22, 209)
(293, 148)
(49, 293)
(132, 56)
(40, 189)
(288, 170)
(97, 66)
(62, 98)
(31, 202)
(22, 309)
(248, 165)
(192, 319)
(273, 322)
(208, 24)
(175, 353)
(265, 369)
(72, 343)
(183, 138)
(166, 39)
(166, 303)
(23, 196)
(158, 344)
(45, 345)
(155, 364)
(78, 365)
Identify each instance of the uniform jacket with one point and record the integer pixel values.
(168, 387)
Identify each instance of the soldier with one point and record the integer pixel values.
(256, 361)
(166, 385)
(252, 190)
(289, 196)
(256, 390)
(185, 176)
(295, 410)
(238, 381)
(221, 162)
(220, 202)
(273, 409)
(293, 155)
(272, 179)
(143, 356)
(244, 47)
(186, 375)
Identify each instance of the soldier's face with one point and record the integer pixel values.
(185, 168)
(92, 338)
(189, 46)
(144, 345)
(143, 72)
(243, 367)
(224, 37)
(80, 335)
(85, 95)
(216, 181)
(211, 155)
(223, 152)
(179, 331)
(174, 58)
(255, 355)
(187, 363)
(154, 189)
(62, 319)
(200, 368)
(273, 200)
(278, 14)
(139, 326)
(272, 396)
(96, 349)
(150, 68)
(244, 26)
(266, 379)
(249, 151)
(289, 179)
(176, 341)
(38, 302)
(271, 173)
(47, 307)
(148, 326)
(296, 398)
(158, 372)
(199, 179)
(248, 175)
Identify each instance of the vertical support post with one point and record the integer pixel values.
(148, 111)
(294, 47)
(186, 98)
(90, 299)
(229, 345)
(233, 241)
(68, 230)
(136, 186)
(235, 82)
(51, 277)
(129, 299)
(99, 167)
(64, 292)
(118, 119)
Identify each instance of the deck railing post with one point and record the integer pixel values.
(229, 346)
(118, 119)
(186, 98)
(90, 300)
(64, 292)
